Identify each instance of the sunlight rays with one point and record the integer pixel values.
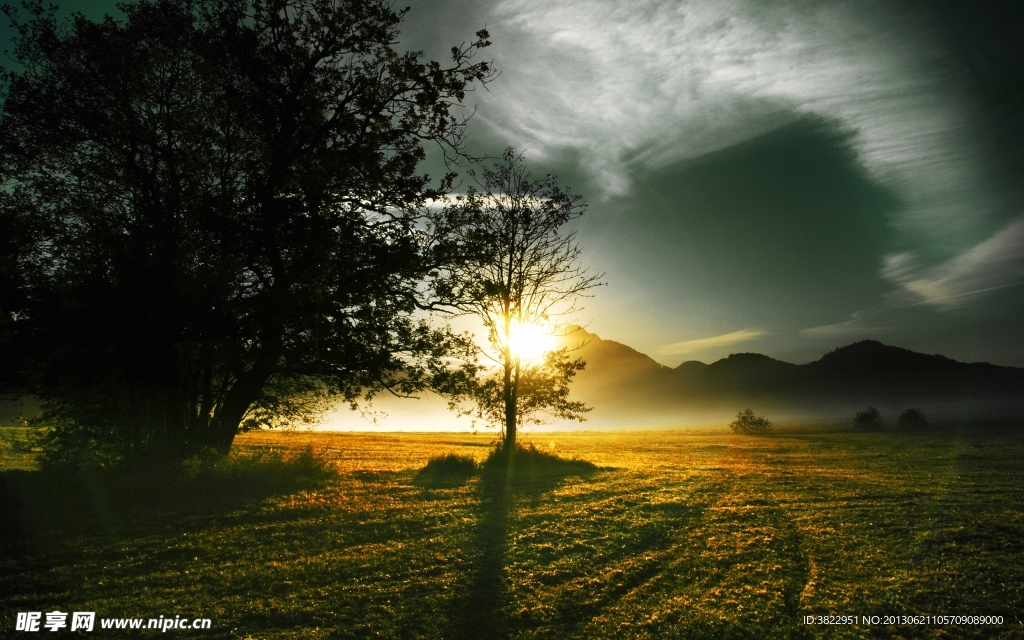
(529, 341)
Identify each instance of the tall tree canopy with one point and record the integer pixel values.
(212, 213)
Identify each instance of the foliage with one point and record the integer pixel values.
(869, 419)
(289, 402)
(19, 448)
(912, 419)
(285, 470)
(525, 271)
(748, 423)
(447, 469)
(212, 216)
(66, 444)
(541, 392)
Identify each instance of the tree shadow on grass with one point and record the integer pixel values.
(47, 517)
(480, 613)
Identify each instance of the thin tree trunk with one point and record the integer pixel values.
(508, 391)
(510, 408)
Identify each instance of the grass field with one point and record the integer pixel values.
(676, 535)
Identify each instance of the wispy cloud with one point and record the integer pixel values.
(692, 346)
(853, 328)
(996, 263)
(649, 82)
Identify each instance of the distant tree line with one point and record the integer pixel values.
(910, 419)
(869, 419)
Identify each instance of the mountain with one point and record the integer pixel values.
(615, 357)
(691, 368)
(629, 389)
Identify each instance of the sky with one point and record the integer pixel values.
(783, 178)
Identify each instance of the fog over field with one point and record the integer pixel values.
(629, 390)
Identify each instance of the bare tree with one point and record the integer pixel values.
(525, 279)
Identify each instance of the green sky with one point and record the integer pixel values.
(783, 177)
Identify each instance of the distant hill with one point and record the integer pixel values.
(869, 364)
(691, 368)
(627, 388)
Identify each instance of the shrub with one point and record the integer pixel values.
(868, 420)
(533, 464)
(268, 469)
(448, 469)
(749, 423)
(65, 445)
(912, 420)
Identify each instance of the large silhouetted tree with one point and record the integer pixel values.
(526, 274)
(212, 215)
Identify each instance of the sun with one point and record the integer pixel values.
(529, 341)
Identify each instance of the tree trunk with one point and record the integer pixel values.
(510, 409)
(509, 389)
(242, 395)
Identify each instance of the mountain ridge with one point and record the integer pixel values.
(621, 381)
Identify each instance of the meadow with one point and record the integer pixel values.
(675, 534)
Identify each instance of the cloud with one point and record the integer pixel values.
(852, 328)
(643, 84)
(690, 346)
(995, 263)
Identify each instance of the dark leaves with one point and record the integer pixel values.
(217, 213)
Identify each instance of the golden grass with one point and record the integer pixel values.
(679, 535)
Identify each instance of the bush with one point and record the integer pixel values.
(749, 423)
(448, 469)
(266, 469)
(533, 464)
(868, 420)
(912, 420)
(66, 445)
